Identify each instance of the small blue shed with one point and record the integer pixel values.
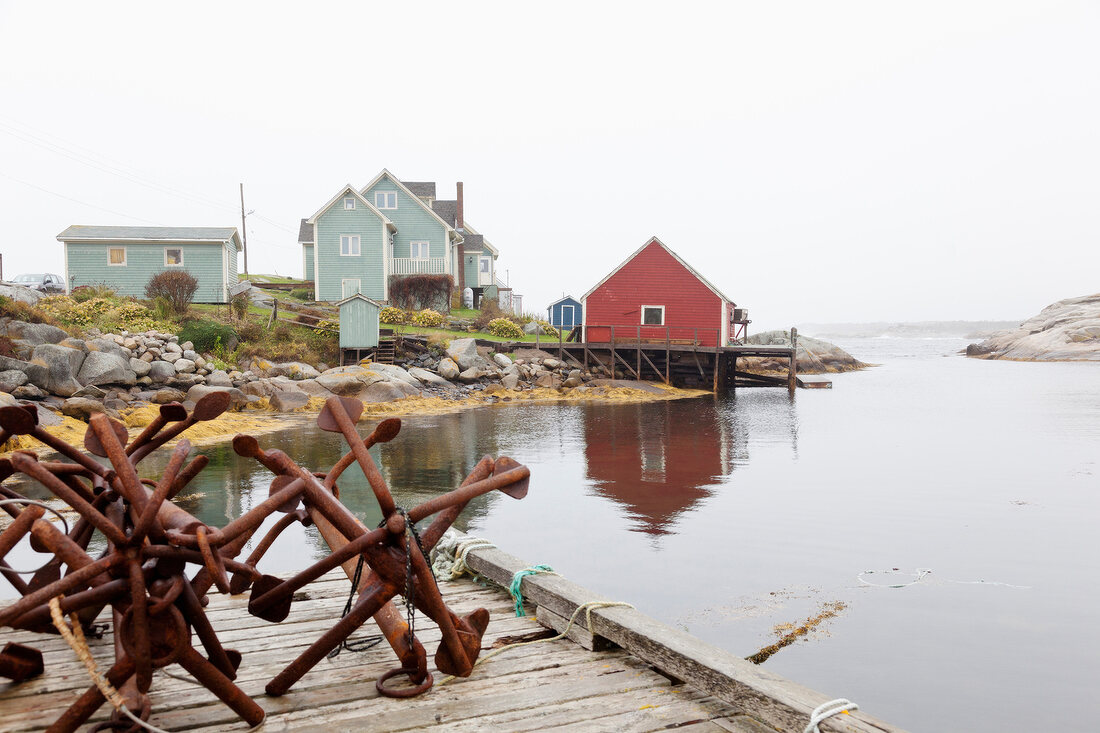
(565, 314)
(359, 322)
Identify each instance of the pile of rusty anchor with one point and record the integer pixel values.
(156, 607)
(141, 574)
(395, 556)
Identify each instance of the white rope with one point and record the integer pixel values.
(449, 554)
(828, 710)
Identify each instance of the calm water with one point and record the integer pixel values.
(728, 517)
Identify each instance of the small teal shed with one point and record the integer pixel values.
(359, 322)
(565, 314)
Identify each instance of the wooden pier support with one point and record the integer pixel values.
(792, 371)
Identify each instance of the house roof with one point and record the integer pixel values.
(446, 210)
(562, 300)
(82, 233)
(472, 242)
(305, 232)
(421, 188)
(360, 296)
(662, 245)
(486, 244)
(350, 189)
(386, 174)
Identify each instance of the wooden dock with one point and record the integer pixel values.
(647, 676)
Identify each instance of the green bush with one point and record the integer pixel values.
(504, 328)
(88, 292)
(301, 294)
(208, 335)
(239, 304)
(178, 286)
(547, 328)
(428, 317)
(390, 314)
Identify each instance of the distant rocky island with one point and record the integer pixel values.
(910, 329)
(813, 356)
(1068, 330)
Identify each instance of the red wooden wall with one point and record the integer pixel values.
(653, 277)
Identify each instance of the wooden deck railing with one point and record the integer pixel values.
(409, 266)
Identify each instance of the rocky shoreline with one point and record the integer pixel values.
(813, 356)
(120, 373)
(1068, 330)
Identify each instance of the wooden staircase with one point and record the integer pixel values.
(384, 354)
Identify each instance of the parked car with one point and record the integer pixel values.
(46, 282)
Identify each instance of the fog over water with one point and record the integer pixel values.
(971, 483)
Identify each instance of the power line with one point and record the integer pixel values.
(77, 201)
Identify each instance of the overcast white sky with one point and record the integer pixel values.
(817, 161)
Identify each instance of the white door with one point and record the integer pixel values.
(485, 271)
(351, 287)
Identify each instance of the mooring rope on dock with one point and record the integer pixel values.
(588, 608)
(517, 582)
(74, 635)
(828, 710)
(450, 555)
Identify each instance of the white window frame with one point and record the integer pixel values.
(351, 238)
(419, 246)
(572, 315)
(485, 265)
(385, 199)
(343, 286)
(116, 264)
(642, 315)
(173, 264)
(349, 203)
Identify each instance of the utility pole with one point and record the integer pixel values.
(244, 234)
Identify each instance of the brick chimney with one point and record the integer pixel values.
(459, 225)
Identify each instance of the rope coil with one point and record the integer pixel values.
(517, 582)
(828, 710)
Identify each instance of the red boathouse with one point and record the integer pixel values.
(656, 295)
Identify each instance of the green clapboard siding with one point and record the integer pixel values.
(470, 263)
(358, 324)
(88, 265)
(231, 257)
(333, 267)
(307, 261)
(414, 223)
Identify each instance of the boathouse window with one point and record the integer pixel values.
(385, 199)
(173, 256)
(349, 203)
(485, 264)
(116, 256)
(349, 245)
(653, 315)
(418, 250)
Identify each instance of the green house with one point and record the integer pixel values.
(125, 258)
(361, 238)
(359, 322)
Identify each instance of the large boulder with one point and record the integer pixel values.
(164, 395)
(237, 397)
(58, 369)
(12, 378)
(218, 378)
(289, 401)
(35, 333)
(470, 375)
(81, 408)
(429, 378)
(293, 369)
(161, 371)
(814, 356)
(349, 381)
(382, 392)
(141, 368)
(464, 353)
(393, 373)
(184, 366)
(101, 367)
(312, 387)
(20, 293)
(448, 369)
(108, 346)
(510, 381)
(502, 360)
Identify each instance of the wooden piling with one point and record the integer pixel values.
(792, 372)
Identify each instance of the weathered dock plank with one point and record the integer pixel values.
(553, 685)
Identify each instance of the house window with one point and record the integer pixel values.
(349, 203)
(116, 256)
(418, 250)
(385, 199)
(173, 256)
(485, 261)
(349, 245)
(653, 315)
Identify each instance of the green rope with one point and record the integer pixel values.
(517, 582)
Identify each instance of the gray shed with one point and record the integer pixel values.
(359, 322)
